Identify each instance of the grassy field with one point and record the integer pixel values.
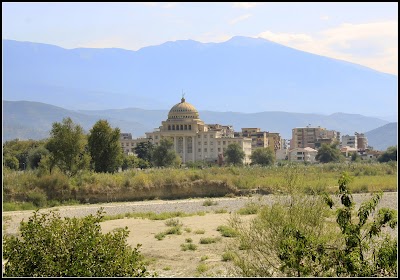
(30, 190)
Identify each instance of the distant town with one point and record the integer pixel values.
(196, 141)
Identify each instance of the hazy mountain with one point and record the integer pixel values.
(383, 137)
(33, 120)
(23, 119)
(240, 75)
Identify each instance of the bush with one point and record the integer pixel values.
(188, 246)
(209, 202)
(209, 240)
(52, 247)
(227, 231)
(38, 198)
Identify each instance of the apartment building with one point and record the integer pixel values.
(312, 137)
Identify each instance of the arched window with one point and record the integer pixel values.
(169, 127)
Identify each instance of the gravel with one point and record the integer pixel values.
(10, 225)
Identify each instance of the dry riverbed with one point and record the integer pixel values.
(166, 256)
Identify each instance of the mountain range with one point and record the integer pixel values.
(33, 120)
(247, 75)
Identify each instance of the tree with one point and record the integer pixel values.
(234, 154)
(144, 150)
(389, 155)
(263, 156)
(67, 147)
(164, 154)
(35, 155)
(328, 153)
(104, 147)
(130, 161)
(21, 150)
(52, 247)
(365, 253)
(11, 162)
(355, 157)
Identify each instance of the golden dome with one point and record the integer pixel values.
(183, 110)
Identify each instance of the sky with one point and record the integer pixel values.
(363, 33)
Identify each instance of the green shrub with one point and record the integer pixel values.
(209, 202)
(227, 231)
(249, 209)
(203, 258)
(209, 240)
(160, 235)
(199, 231)
(70, 247)
(174, 230)
(188, 246)
(227, 256)
(37, 197)
(201, 268)
(221, 211)
(173, 223)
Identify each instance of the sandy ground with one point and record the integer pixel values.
(166, 256)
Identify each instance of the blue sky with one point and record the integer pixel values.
(362, 33)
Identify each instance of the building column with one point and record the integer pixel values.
(184, 150)
(193, 150)
(175, 144)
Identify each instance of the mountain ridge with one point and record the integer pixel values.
(216, 76)
(27, 119)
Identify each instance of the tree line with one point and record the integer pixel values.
(70, 150)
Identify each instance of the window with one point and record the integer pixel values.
(205, 142)
(199, 143)
(219, 149)
(299, 153)
(299, 158)
(199, 150)
(212, 143)
(205, 150)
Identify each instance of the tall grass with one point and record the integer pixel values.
(368, 177)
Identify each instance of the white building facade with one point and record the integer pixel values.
(303, 155)
(193, 140)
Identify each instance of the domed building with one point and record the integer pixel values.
(193, 140)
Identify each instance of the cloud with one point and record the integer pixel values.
(324, 17)
(245, 5)
(370, 44)
(240, 18)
